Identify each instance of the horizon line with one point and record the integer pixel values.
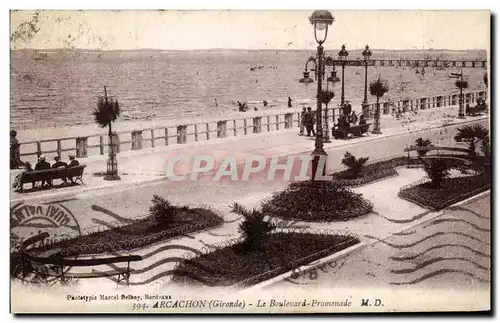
(239, 49)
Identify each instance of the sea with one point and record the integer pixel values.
(60, 88)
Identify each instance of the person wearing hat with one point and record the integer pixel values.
(60, 164)
(72, 161)
(41, 165)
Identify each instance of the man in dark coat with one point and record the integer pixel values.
(72, 163)
(59, 164)
(309, 122)
(42, 165)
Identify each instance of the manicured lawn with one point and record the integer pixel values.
(452, 191)
(279, 253)
(316, 201)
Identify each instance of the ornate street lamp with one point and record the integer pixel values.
(366, 106)
(461, 84)
(343, 57)
(320, 19)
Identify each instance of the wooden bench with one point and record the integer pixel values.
(49, 175)
(438, 153)
(355, 130)
(27, 260)
(478, 109)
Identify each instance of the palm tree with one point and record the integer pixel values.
(378, 88)
(471, 135)
(355, 165)
(437, 170)
(421, 143)
(462, 85)
(253, 228)
(107, 112)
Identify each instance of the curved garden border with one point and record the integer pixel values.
(353, 239)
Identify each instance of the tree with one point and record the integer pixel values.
(355, 165)
(253, 228)
(421, 143)
(471, 135)
(105, 114)
(378, 88)
(437, 170)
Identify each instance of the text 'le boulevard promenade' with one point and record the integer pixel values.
(337, 180)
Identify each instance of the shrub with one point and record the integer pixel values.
(253, 228)
(437, 170)
(421, 143)
(162, 211)
(355, 165)
(471, 135)
(316, 201)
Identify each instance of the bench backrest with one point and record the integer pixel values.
(358, 127)
(431, 147)
(38, 175)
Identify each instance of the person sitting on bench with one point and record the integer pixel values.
(18, 183)
(72, 163)
(60, 164)
(42, 165)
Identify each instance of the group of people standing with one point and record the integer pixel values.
(347, 117)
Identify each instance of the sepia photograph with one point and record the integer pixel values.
(250, 161)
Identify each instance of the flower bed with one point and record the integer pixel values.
(137, 234)
(316, 201)
(280, 253)
(370, 173)
(452, 191)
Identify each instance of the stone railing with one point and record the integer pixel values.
(97, 144)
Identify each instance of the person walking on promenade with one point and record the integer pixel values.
(309, 122)
(216, 104)
(289, 102)
(302, 121)
(15, 160)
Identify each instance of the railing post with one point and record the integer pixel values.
(136, 139)
(268, 123)
(298, 118)
(234, 127)
(257, 124)
(245, 130)
(59, 149)
(152, 137)
(101, 144)
(115, 141)
(81, 147)
(221, 129)
(181, 134)
(277, 122)
(208, 131)
(196, 133)
(288, 121)
(38, 149)
(166, 136)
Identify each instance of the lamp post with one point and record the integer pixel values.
(343, 57)
(460, 76)
(320, 19)
(330, 82)
(366, 106)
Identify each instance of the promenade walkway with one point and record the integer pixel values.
(147, 166)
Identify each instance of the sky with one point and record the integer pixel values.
(184, 30)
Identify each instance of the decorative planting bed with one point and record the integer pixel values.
(316, 201)
(451, 191)
(368, 174)
(279, 253)
(138, 234)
